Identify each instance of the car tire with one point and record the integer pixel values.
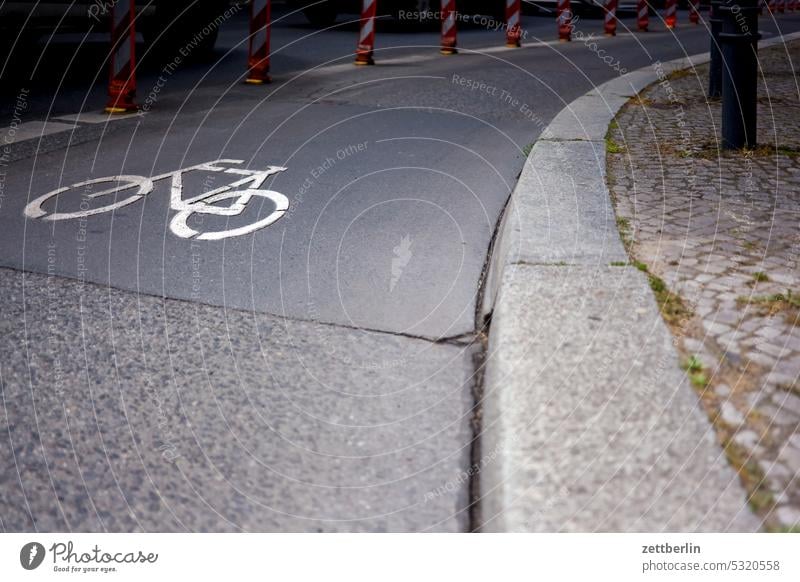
(424, 8)
(498, 10)
(321, 15)
(191, 34)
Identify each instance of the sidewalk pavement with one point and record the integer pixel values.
(589, 419)
(721, 231)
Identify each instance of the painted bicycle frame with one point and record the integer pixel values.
(205, 203)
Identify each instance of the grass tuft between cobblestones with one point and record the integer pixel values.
(786, 303)
(673, 309)
(696, 372)
(760, 497)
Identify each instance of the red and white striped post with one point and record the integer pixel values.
(781, 6)
(564, 20)
(694, 11)
(513, 29)
(671, 13)
(771, 6)
(642, 15)
(258, 50)
(366, 33)
(610, 24)
(791, 5)
(122, 81)
(448, 27)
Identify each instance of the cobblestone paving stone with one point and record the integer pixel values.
(720, 229)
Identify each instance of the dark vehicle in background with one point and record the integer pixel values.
(595, 7)
(325, 13)
(166, 25)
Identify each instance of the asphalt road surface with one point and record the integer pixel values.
(165, 368)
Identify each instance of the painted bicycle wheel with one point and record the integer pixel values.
(179, 226)
(86, 194)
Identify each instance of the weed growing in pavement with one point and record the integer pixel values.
(792, 388)
(613, 147)
(693, 364)
(712, 151)
(759, 496)
(787, 303)
(672, 307)
(696, 372)
(624, 227)
(760, 277)
(680, 74)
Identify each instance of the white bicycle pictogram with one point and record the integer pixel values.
(205, 203)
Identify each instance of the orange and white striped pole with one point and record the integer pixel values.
(366, 33)
(122, 82)
(610, 24)
(564, 20)
(448, 27)
(642, 15)
(694, 11)
(258, 50)
(671, 13)
(513, 28)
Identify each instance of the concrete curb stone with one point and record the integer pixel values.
(589, 423)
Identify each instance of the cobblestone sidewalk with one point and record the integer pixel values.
(718, 234)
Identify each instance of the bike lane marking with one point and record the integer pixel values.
(205, 203)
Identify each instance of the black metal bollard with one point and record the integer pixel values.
(715, 67)
(739, 42)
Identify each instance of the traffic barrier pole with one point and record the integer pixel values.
(771, 6)
(366, 34)
(122, 81)
(610, 24)
(694, 11)
(258, 51)
(781, 6)
(513, 30)
(671, 13)
(642, 15)
(448, 27)
(564, 20)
